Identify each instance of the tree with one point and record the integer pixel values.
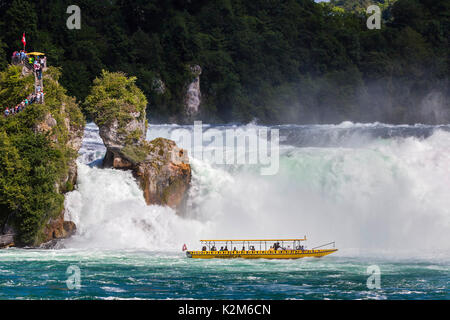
(114, 96)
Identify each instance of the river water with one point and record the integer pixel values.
(381, 192)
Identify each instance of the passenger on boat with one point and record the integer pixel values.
(204, 248)
(221, 248)
(243, 248)
(213, 248)
(234, 249)
(226, 248)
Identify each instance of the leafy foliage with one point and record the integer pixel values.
(271, 60)
(31, 163)
(115, 96)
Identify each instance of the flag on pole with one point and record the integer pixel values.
(24, 41)
(184, 247)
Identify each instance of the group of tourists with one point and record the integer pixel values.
(275, 247)
(19, 57)
(32, 98)
(37, 64)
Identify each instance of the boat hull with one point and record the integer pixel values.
(282, 254)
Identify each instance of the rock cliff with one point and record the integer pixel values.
(159, 166)
(193, 94)
(39, 146)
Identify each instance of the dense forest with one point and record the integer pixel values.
(278, 61)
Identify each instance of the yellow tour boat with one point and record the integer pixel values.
(248, 249)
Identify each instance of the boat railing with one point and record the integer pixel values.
(326, 244)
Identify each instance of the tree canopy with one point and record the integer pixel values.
(274, 60)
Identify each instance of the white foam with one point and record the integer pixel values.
(386, 196)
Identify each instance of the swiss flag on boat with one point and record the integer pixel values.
(24, 41)
(184, 247)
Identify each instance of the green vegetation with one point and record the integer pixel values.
(114, 96)
(32, 163)
(13, 87)
(278, 61)
(135, 153)
(360, 6)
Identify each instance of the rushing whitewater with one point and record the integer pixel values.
(370, 187)
(379, 191)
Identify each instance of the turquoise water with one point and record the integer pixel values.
(379, 191)
(37, 274)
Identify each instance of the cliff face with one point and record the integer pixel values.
(58, 228)
(38, 151)
(193, 94)
(160, 167)
(165, 174)
(118, 133)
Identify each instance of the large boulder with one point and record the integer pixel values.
(159, 166)
(7, 234)
(165, 174)
(59, 229)
(131, 130)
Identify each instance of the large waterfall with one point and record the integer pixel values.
(369, 187)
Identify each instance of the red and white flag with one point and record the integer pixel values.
(24, 41)
(184, 247)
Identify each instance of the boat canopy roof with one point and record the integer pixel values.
(253, 240)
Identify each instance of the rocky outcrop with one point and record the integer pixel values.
(46, 125)
(7, 234)
(165, 174)
(56, 228)
(6, 240)
(59, 229)
(23, 220)
(193, 94)
(132, 130)
(75, 140)
(163, 171)
(159, 86)
(160, 167)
